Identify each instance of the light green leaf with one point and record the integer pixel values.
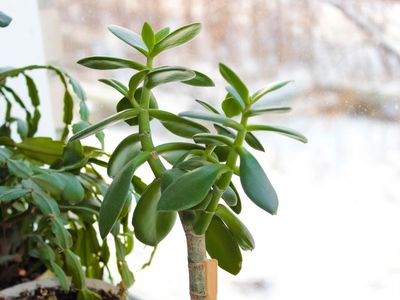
(212, 139)
(162, 33)
(8, 194)
(253, 142)
(272, 87)
(165, 75)
(148, 36)
(231, 107)
(109, 63)
(229, 196)
(190, 189)
(60, 274)
(152, 226)
(234, 81)
(256, 184)
(176, 38)
(207, 106)
(62, 236)
(19, 168)
(200, 79)
(92, 129)
(260, 111)
(73, 191)
(281, 130)
(43, 149)
(129, 37)
(75, 269)
(49, 183)
(120, 87)
(212, 117)
(222, 246)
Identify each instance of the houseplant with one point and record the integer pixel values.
(193, 176)
(50, 193)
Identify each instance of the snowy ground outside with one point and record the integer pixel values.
(337, 232)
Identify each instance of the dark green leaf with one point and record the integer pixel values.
(8, 194)
(177, 125)
(50, 183)
(212, 139)
(73, 191)
(260, 111)
(116, 85)
(256, 184)
(168, 74)
(235, 95)
(134, 83)
(126, 150)
(200, 79)
(22, 129)
(60, 274)
(75, 269)
(4, 20)
(254, 142)
(222, 246)
(282, 130)
(43, 149)
(117, 193)
(47, 205)
(236, 227)
(208, 106)
(238, 207)
(212, 117)
(109, 63)
(190, 189)
(148, 36)
(62, 236)
(235, 81)
(152, 226)
(230, 196)
(177, 37)
(129, 37)
(32, 91)
(92, 129)
(272, 87)
(19, 168)
(5, 154)
(168, 147)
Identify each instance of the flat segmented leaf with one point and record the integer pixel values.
(62, 236)
(8, 194)
(43, 149)
(75, 269)
(60, 274)
(45, 203)
(32, 91)
(19, 168)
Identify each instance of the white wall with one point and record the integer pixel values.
(22, 44)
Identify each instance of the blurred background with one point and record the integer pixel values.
(337, 233)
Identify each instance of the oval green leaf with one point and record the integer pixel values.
(109, 63)
(129, 37)
(165, 75)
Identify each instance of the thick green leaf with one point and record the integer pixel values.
(47, 205)
(117, 193)
(190, 189)
(19, 168)
(73, 191)
(264, 110)
(152, 226)
(43, 149)
(116, 85)
(8, 194)
(22, 129)
(4, 20)
(109, 63)
(60, 274)
(238, 207)
(222, 246)
(168, 147)
(235, 95)
(176, 124)
(231, 107)
(177, 37)
(148, 36)
(207, 106)
(134, 83)
(272, 87)
(50, 183)
(126, 150)
(165, 75)
(212, 139)
(236, 227)
(171, 176)
(253, 142)
(229, 196)
(129, 37)
(256, 184)
(212, 117)
(162, 33)
(92, 129)
(68, 108)
(200, 79)
(62, 236)
(282, 130)
(235, 81)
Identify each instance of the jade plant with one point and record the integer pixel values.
(50, 192)
(192, 179)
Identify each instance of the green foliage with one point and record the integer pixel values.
(198, 174)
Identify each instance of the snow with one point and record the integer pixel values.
(337, 232)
